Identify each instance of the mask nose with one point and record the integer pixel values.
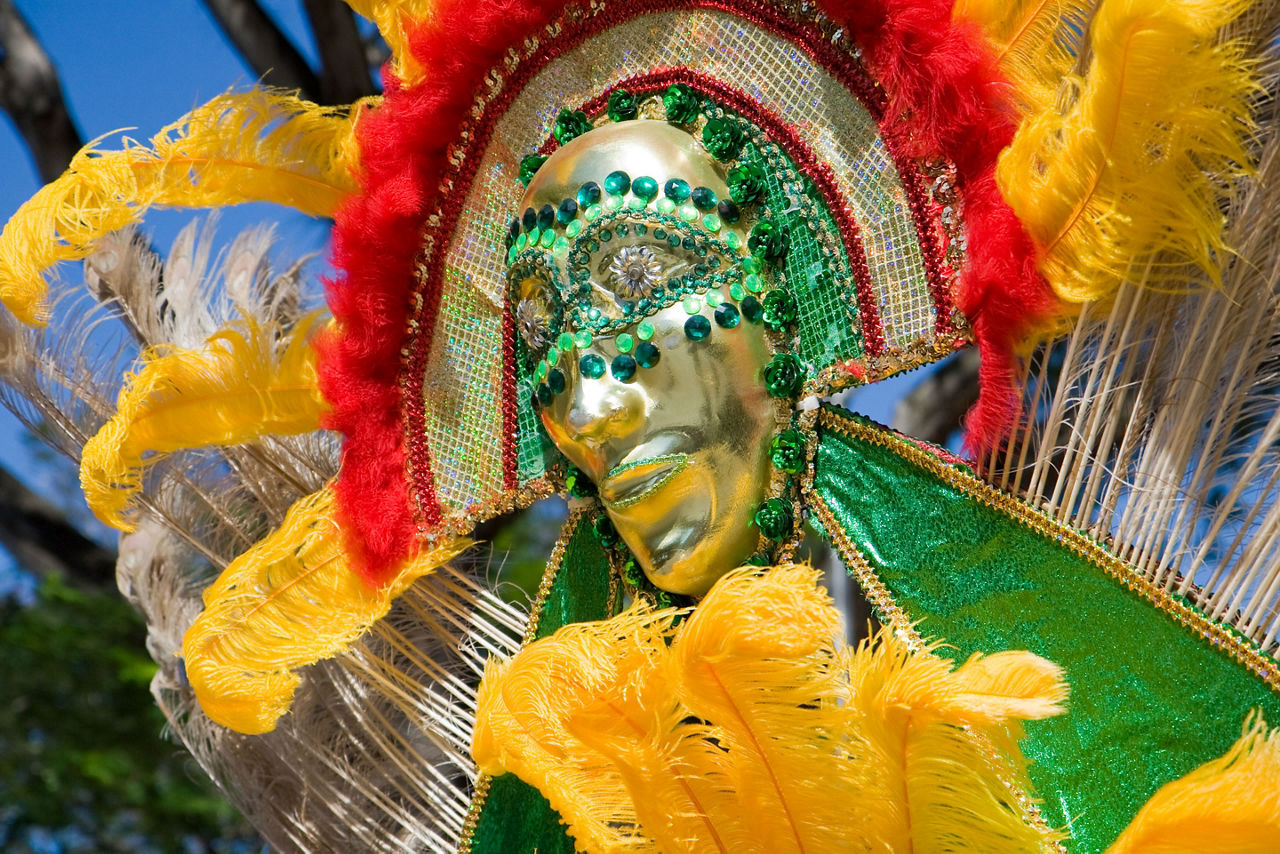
(603, 410)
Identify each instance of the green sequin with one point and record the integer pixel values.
(529, 166)
(622, 106)
(773, 518)
(723, 138)
(784, 376)
(786, 451)
(680, 104)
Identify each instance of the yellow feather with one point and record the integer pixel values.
(1126, 184)
(394, 18)
(251, 146)
(1035, 42)
(1229, 804)
(751, 729)
(289, 601)
(247, 381)
(940, 748)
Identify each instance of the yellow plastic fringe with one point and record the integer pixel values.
(240, 147)
(289, 601)
(1034, 41)
(750, 728)
(393, 18)
(247, 381)
(1229, 804)
(1126, 184)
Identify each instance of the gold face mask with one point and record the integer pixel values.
(660, 400)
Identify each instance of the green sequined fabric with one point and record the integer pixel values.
(515, 817)
(1150, 699)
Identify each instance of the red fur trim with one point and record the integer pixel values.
(946, 95)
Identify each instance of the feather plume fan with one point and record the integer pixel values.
(374, 753)
(394, 20)
(751, 728)
(1147, 139)
(239, 147)
(1154, 424)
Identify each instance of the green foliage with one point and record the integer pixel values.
(83, 765)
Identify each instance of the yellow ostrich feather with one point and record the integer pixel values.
(1035, 42)
(247, 381)
(1126, 183)
(1229, 804)
(752, 729)
(289, 601)
(393, 18)
(239, 147)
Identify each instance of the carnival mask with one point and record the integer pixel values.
(646, 321)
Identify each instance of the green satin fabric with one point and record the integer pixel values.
(516, 819)
(1150, 700)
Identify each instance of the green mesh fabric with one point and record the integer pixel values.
(829, 327)
(515, 818)
(1150, 700)
(533, 448)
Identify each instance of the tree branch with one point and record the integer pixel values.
(264, 46)
(31, 94)
(935, 408)
(344, 68)
(38, 536)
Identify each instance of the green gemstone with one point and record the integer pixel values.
(574, 228)
(727, 316)
(529, 166)
(737, 291)
(783, 376)
(553, 355)
(625, 342)
(692, 304)
(534, 234)
(780, 309)
(752, 264)
(623, 368)
(713, 298)
(593, 213)
(555, 381)
(645, 330)
(732, 240)
(688, 213)
(677, 190)
(647, 355)
(561, 246)
(697, 327)
(545, 397)
(565, 342)
(582, 339)
(617, 183)
(613, 204)
(588, 194)
(511, 255)
(704, 199)
(773, 518)
(605, 235)
(548, 239)
(752, 310)
(711, 223)
(636, 203)
(540, 373)
(645, 187)
(787, 451)
(666, 206)
(591, 366)
(521, 242)
(754, 283)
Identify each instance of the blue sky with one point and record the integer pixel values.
(142, 64)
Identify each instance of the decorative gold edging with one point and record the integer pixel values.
(1239, 648)
(554, 561)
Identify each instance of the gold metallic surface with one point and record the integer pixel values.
(680, 453)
